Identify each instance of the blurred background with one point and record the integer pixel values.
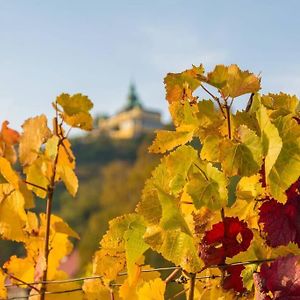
(117, 53)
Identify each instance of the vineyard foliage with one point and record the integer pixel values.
(225, 214)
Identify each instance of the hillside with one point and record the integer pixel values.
(111, 176)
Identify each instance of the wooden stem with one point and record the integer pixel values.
(192, 286)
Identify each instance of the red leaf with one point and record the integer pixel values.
(223, 241)
(281, 222)
(282, 278)
(233, 280)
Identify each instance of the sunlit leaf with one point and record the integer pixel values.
(35, 133)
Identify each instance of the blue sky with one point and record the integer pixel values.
(98, 47)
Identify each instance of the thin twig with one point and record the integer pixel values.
(172, 275)
(215, 98)
(186, 202)
(20, 280)
(35, 185)
(227, 108)
(48, 214)
(179, 294)
(46, 293)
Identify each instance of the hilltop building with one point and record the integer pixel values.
(132, 121)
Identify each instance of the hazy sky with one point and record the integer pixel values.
(98, 47)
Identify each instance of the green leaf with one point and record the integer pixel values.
(210, 120)
(118, 244)
(211, 148)
(208, 187)
(281, 104)
(171, 215)
(271, 140)
(175, 246)
(247, 276)
(286, 169)
(134, 245)
(242, 156)
(170, 176)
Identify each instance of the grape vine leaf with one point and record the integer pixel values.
(242, 156)
(271, 141)
(152, 290)
(167, 140)
(94, 289)
(233, 279)
(28, 267)
(286, 169)
(280, 221)
(7, 174)
(281, 104)
(8, 138)
(216, 245)
(35, 133)
(130, 287)
(175, 246)
(207, 186)
(76, 110)
(12, 208)
(170, 176)
(39, 173)
(232, 82)
(3, 291)
(117, 245)
(181, 85)
(281, 277)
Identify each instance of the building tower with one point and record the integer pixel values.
(132, 121)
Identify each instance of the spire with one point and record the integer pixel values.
(132, 98)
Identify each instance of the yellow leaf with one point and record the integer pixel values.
(76, 110)
(167, 140)
(32, 264)
(249, 188)
(152, 290)
(62, 227)
(128, 288)
(94, 289)
(181, 85)
(35, 133)
(3, 291)
(81, 120)
(8, 173)
(12, 213)
(51, 147)
(68, 177)
(39, 173)
(232, 82)
(211, 148)
(22, 268)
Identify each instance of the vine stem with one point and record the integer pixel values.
(50, 192)
(215, 98)
(227, 108)
(20, 280)
(192, 286)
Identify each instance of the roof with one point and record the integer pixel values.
(133, 100)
